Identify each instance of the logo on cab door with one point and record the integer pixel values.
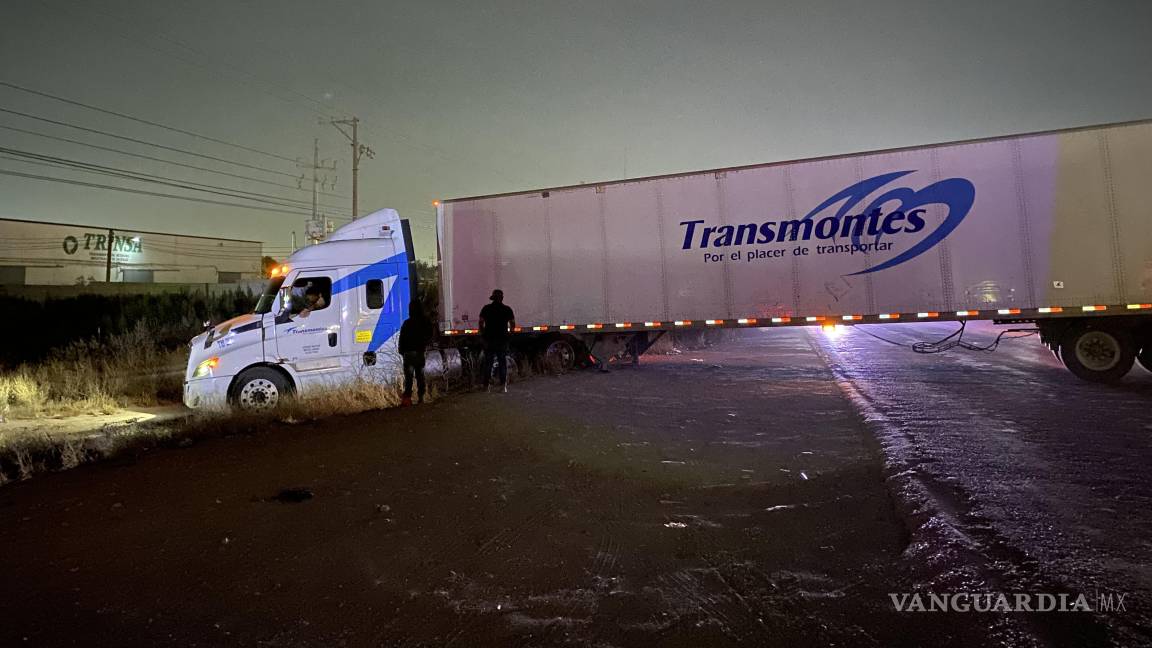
(303, 330)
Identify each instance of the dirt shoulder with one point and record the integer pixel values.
(722, 497)
(15, 429)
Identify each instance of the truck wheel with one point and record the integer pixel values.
(260, 388)
(561, 354)
(1098, 354)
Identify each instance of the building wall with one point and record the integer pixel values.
(52, 254)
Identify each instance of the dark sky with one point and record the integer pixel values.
(473, 98)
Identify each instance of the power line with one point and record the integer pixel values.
(145, 177)
(146, 193)
(145, 143)
(143, 121)
(45, 160)
(164, 161)
(157, 33)
(232, 69)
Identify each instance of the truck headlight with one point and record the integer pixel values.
(205, 368)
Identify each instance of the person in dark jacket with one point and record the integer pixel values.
(415, 334)
(496, 323)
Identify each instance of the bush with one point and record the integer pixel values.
(44, 327)
(94, 376)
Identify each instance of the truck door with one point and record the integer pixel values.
(309, 336)
(382, 306)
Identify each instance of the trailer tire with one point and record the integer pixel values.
(259, 388)
(1098, 354)
(560, 353)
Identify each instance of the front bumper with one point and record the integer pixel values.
(210, 392)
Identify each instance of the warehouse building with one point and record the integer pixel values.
(45, 254)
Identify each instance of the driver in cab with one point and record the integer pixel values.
(313, 301)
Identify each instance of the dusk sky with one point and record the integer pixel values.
(461, 99)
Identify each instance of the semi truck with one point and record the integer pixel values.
(1049, 229)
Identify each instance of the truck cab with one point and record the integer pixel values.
(329, 315)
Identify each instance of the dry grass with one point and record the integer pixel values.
(22, 456)
(360, 395)
(94, 377)
(97, 384)
(25, 455)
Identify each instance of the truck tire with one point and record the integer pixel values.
(1098, 354)
(259, 388)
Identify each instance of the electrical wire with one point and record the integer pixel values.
(206, 138)
(145, 143)
(953, 340)
(154, 32)
(126, 176)
(172, 162)
(148, 193)
(36, 158)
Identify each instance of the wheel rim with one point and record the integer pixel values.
(259, 394)
(562, 353)
(1098, 351)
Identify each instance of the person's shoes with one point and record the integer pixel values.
(405, 401)
(504, 389)
(488, 388)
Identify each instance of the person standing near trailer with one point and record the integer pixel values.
(496, 322)
(415, 334)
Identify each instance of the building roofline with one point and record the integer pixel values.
(130, 230)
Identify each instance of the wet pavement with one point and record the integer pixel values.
(774, 489)
(1020, 470)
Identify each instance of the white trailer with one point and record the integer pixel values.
(1049, 228)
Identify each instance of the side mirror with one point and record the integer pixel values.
(280, 307)
(285, 300)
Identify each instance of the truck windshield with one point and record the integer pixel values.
(264, 305)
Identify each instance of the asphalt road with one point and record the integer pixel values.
(1029, 472)
(771, 490)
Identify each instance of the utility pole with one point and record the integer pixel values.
(358, 150)
(108, 265)
(315, 227)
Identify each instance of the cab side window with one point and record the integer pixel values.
(310, 294)
(374, 294)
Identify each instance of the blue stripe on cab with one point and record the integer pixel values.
(395, 306)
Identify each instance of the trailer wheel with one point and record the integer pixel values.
(1098, 354)
(259, 388)
(560, 353)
